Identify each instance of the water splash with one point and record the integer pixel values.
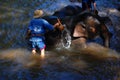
(66, 38)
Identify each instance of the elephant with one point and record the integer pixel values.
(69, 10)
(81, 27)
(86, 26)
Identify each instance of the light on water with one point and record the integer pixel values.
(57, 61)
(20, 56)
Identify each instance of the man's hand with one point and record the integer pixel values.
(59, 26)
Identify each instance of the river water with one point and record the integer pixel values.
(92, 63)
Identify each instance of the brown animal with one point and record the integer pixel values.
(86, 26)
(69, 10)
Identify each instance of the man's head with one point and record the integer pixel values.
(38, 13)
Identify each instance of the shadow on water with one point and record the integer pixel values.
(16, 62)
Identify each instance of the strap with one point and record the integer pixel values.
(80, 37)
(37, 35)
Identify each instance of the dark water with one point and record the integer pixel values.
(92, 63)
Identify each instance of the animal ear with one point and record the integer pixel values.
(96, 12)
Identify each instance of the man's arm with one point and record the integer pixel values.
(95, 7)
(94, 4)
(28, 34)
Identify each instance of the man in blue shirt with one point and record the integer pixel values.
(87, 5)
(36, 31)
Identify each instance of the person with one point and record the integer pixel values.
(36, 30)
(87, 5)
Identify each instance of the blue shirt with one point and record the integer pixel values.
(88, 2)
(39, 26)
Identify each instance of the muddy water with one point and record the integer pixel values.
(91, 63)
(84, 64)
